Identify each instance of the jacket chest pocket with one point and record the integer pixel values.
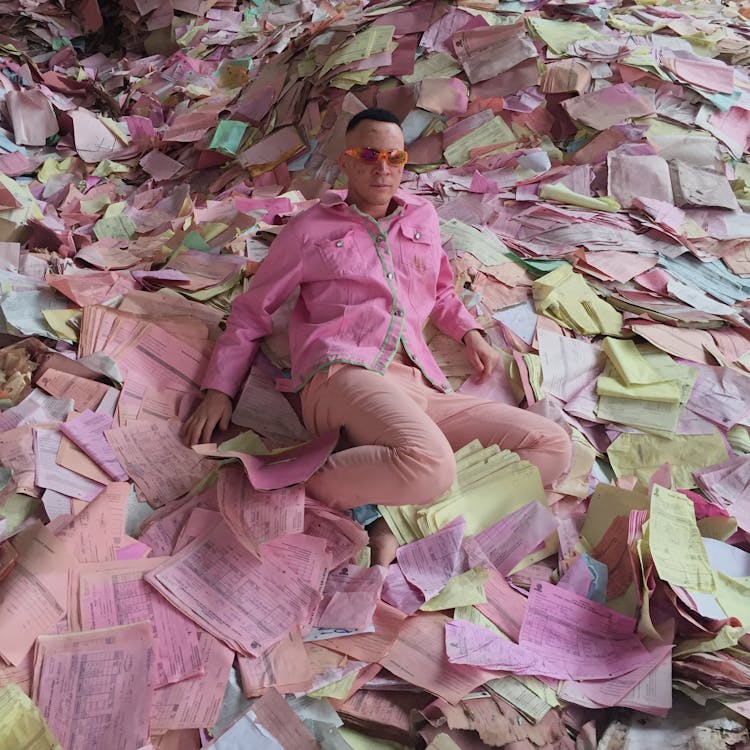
(418, 258)
(339, 256)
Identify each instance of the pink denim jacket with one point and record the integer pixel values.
(364, 290)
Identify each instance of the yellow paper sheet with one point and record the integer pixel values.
(22, 724)
(493, 132)
(28, 208)
(654, 407)
(442, 742)
(53, 167)
(654, 417)
(643, 59)
(118, 226)
(59, 322)
(359, 741)
(727, 637)
(733, 595)
(665, 369)
(95, 205)
(667, 392)
(474, 616)
(676, 546)
(485, 503)
(107, 167)
(483, 493)
(559, 35)
(339, 689)
(739, 438)
(462, 590)
(528, 702)
(576, 481)
(484, 246)
(631, 366)
(439, 65)
(564, 296)
(641, 455)
(371, 42)
(563, 194)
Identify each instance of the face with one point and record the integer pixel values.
(373, 184)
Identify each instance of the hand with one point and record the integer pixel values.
(215, 409)
(482, 357)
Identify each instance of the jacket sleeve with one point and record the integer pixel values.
(250, 318)
(449, 314)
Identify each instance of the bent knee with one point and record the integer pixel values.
(557, 449)
(430, 473)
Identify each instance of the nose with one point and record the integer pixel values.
(382, 166)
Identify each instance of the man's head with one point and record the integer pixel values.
(374, 159)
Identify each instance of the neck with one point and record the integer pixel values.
(377, 211)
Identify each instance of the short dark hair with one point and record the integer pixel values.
(373, 113)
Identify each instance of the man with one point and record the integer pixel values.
(370, 270)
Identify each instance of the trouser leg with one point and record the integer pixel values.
(401, 456)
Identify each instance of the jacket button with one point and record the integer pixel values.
(417, 235)
(389, 275)
(339, 243)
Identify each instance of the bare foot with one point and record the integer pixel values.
(383, 543)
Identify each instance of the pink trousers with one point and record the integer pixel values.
(404, 433)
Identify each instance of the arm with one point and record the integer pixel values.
(451, 316)
(248, 322)
(481, 355)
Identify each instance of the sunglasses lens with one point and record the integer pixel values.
(397, 158)
(369, 155)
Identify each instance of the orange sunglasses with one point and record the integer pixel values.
(395, 157)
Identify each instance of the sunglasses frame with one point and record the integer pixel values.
(356, 153)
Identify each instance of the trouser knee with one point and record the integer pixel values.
(433, 472)
(558, 450)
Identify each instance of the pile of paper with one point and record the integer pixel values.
(490, 484)
(588, 165)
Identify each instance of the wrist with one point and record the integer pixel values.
(473, 334)
(215, 393)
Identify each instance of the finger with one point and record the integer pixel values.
(476, 362)
(187, 431)
(208, 430)
(489, 362)
(225, 417)
(195, 432)
(490, 365)
(186, 426)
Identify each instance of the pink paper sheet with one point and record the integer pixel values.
(119, 595)
(285, 468)
(508, 541)
(87, 432)
(349, 598)
(93, 687)
(33, 597)
(247, 603)
(195, 702)
(258, 517)
(431, 562)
